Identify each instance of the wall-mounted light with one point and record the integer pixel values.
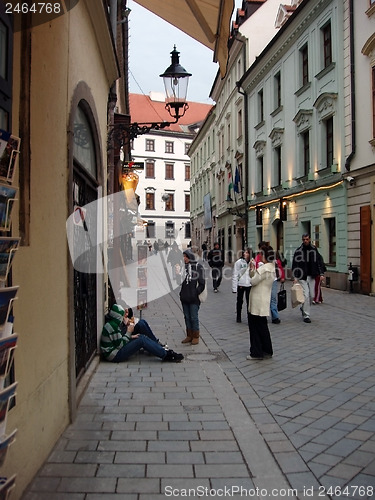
(283, 210)
(176, 80)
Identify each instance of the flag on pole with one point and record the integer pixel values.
(237, 181)
(230, 185)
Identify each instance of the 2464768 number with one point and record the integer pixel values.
(33, 8)
(347, 491)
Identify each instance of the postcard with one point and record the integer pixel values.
(8, 247)
(7, 296)
(7, 346)
(4, 445)
(8, 195)
(9, 151)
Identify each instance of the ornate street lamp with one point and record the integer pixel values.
(176, 80)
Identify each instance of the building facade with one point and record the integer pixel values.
(219, 153)
(359, 88)
(57, 84)
(164, 184)
(297, 137)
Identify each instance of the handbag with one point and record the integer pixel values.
(203, 295)
(297, 295)
(281, 298)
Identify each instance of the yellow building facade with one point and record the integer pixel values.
(62, 73)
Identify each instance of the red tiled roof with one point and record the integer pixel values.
(143, 109)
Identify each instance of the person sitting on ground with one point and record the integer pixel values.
(140, 326)
(117, 347)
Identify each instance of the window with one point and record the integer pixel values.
(83, 145)
(239, 123)
(260, 174)
(373, 101)
(150, 145)
(277, 166)
(327, 45)
(277, 89)
(150, 169)
(187, 172)
(169, 147)
(187, 230)
(331, 232)
(169, 171)
(169, 204)
(187, 202)
(228, 136)
(306, 152)
(169, 230)
(260, 106)
(150, 201)
(328, 125)
(304, 65)
(150, 230)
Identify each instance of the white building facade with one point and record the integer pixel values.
(164, 184)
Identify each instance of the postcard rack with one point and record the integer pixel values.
(9, 153)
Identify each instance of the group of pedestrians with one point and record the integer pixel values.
(257, 279)
(254, 279)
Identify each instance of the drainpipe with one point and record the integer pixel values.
(246, 107)
(352, 84)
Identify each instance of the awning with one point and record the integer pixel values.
(207, 21)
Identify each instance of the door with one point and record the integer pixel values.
(365, 249)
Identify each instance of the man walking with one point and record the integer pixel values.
(306, 266)
(216, 262)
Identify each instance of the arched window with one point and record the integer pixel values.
(83, 143)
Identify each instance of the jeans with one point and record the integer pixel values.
(217, 275)
(135, 345)
(273, 306)
(143, 328)
(241, 291)
(309, 292)
(191, 316)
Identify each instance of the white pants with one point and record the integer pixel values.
(309, 293)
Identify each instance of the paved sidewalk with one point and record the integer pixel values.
(221, 426)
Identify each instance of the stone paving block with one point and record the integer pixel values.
(227, 457)
(191, 457)
(88, 485)
(291, 462)
(214, 446)
(344, 471)
(170, 470)
(105, 471)
(110, 496)
(221, 470)
(169, 446)
(344, 447)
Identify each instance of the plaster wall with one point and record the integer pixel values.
(64, 52)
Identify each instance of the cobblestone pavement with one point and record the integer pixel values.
(299, 425)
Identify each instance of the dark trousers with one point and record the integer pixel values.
(217, 275)
(241, 292)
(260, 338)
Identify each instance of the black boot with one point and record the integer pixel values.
(173, 357)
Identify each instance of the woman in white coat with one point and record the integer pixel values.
(262, 280)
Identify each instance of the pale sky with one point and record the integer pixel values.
(151, 41)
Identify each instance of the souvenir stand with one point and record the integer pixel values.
(9, 151)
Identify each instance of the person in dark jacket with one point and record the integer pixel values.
(216, 262)
(192, 285)
(306, 266)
